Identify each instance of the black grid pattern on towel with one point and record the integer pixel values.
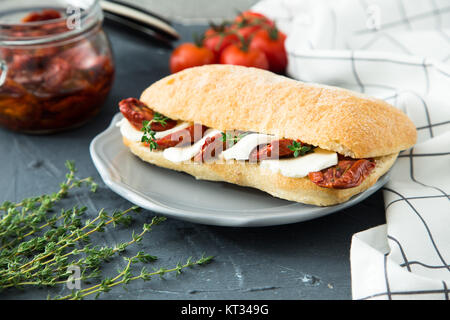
(444, 291)
(389, 293)
(298, 59)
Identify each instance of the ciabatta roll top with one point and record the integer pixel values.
(226, 97)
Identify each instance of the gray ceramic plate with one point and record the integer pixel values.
(180, 196)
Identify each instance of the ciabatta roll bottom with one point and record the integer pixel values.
(252, 175)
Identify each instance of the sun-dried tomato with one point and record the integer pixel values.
(136, 112)
(212, 147)
(47, 14)
(57, 85)
(182, 137)
(348, 173)
(275, 150)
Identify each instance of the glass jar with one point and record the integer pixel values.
(56, 64)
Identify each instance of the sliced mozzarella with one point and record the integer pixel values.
(179, 126)
(133, 134)
(180, 154)
(128, 131)
(292, 167)
(300, 167)
(242, 149)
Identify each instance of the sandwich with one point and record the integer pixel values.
(297, 141)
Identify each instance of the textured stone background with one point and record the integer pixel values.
(308, 260)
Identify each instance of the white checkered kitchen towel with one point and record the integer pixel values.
(399, 51)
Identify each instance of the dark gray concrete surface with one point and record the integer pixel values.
(308, 260)
(195, 11)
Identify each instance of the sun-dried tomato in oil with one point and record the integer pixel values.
(55, 85)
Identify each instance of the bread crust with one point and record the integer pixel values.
(227, 97)
(252, 175)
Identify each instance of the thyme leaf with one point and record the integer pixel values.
(232, 137)
(149, 133)
(38, 247)
(300, 149)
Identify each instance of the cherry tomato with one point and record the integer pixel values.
(252, 16)
(218, 40)
(189, 55)
(237, 54)
(249, 22)
(271, 42)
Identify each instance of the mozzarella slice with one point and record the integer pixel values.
(300, 167)
(179, 126)
(131, 133)
(292, 167)
(180, 154)
(128, 131)
(242, 149)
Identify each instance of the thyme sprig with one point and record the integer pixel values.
(231, 138)
(149, 133)
(38, 247)
(125, 275)
(300, 149)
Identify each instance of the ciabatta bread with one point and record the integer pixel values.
(226, 97)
